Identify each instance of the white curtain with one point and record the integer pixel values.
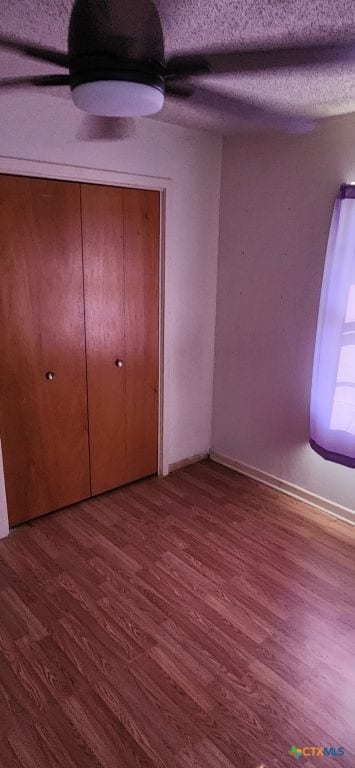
(333, 385)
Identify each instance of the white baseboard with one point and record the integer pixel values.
(4, 528)
(4, 520)
(323, 505)
(186, 462)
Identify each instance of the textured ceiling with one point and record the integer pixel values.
(194, 25)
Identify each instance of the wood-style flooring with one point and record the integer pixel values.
(196, 621)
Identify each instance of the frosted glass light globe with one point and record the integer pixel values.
(118, 98)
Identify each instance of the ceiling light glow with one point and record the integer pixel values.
(118, 98)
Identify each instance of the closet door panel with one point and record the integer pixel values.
(141, 249)
(102, 228)
(44, 428)
(121, 267)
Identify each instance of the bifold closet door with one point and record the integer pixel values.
(121, 230)
(43, 397)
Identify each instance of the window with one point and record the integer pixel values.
(333, 385)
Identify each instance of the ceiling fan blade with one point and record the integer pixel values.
(182, 91)
(244, 110)
(33, 81)
(34, 51)
(259, 59)
(97, 128)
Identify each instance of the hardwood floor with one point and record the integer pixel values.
(196, 621)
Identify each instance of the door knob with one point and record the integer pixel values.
(119, 363)
(50, 375)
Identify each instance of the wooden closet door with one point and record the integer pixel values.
(102, 228)
(141, 259)
(43, 421)
(121, 269)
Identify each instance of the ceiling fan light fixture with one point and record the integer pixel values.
(118, 98)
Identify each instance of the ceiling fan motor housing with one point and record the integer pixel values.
(106, 85)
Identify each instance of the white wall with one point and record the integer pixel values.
(41, 127)
(276, 202)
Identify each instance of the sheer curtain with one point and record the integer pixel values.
(333, 385)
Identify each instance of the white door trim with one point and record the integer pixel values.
(40, 169)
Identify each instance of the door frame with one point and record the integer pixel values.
(61, 172)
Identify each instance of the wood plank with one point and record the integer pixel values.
(165, 634)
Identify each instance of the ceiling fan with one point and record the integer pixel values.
(110, 76)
